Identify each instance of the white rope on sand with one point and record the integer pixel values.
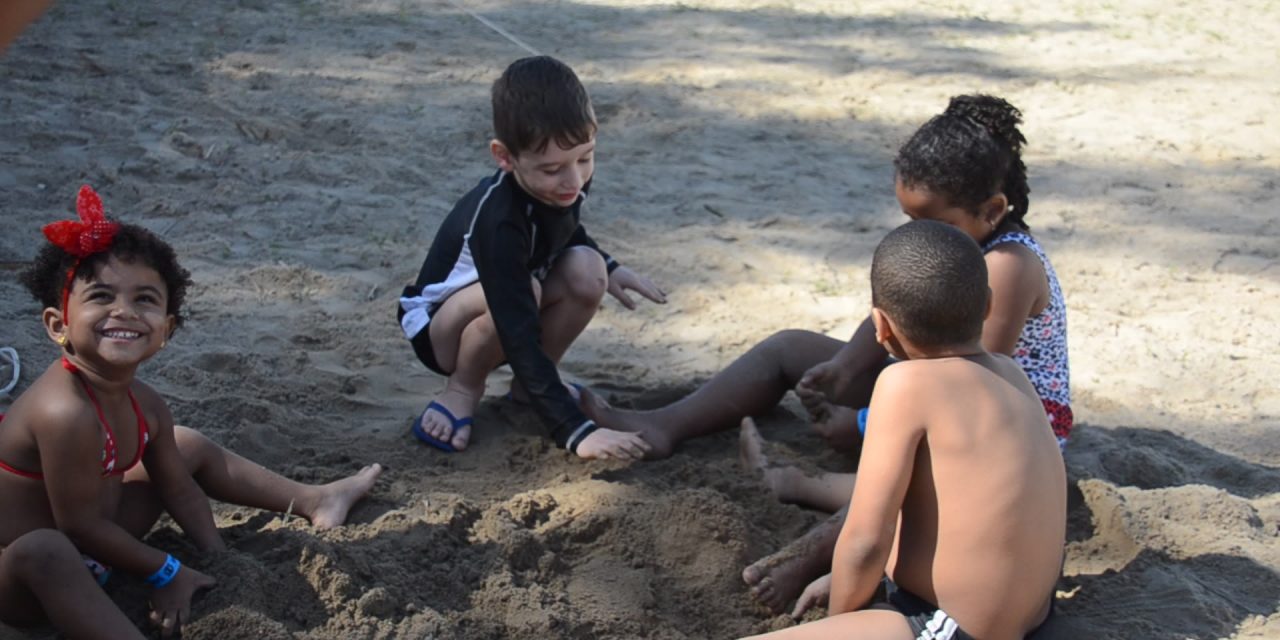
(12, 355)
(503, 32)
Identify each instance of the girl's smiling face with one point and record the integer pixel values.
(119, 316)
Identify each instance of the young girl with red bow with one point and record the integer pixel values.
(89, 455)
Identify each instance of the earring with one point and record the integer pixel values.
(62, 341)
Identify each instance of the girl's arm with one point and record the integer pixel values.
(178, 491)
(71, 461)
(1019, 290)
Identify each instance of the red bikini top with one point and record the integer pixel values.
(110, 456)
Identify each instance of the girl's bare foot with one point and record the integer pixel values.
(658, 443)
(336, 498)
(779, 578)
(609, 444)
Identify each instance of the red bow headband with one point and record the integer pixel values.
(91, 234)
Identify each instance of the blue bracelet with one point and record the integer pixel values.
(165, 574)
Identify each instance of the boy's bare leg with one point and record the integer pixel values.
(826, 491)
(42, 576)
(571, 295)
(751, 385)
(230, 478)
(864, 625)
(465, 341)
(779, 578)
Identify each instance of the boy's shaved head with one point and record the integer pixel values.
(930, 278)
(537, 100)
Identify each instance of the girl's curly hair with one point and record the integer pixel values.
(47, 274)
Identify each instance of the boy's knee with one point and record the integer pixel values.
(586, 274)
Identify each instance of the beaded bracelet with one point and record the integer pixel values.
(165, 574)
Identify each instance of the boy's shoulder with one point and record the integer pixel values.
(951, 377)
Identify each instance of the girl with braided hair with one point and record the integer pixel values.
(963, 167)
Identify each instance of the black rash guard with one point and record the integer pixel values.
(500, 236)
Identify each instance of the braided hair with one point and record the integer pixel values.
(968, 153)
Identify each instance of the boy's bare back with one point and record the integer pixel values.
(983, 516)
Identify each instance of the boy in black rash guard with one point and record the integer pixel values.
(513, 276)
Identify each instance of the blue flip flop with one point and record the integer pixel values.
(454, 421)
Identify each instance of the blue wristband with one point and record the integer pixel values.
(165, 574)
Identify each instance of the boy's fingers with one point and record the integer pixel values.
(625, 299)
(654, 294)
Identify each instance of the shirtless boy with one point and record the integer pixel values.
(961, 494)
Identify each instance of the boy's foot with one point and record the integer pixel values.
(440, 426)
(659, 444)
(606, 444)
(751, 455)
(337, 498)
(778, 579)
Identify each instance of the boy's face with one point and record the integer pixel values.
(553, 175)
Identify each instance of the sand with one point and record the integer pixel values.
(300, 154)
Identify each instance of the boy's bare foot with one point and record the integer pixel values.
(609, 444)
(778, 579)
(751, 455)
(659, 444)
(337, 498)
(462, 404)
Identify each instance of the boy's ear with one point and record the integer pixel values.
(502, 155)
(884, 331)
(53, 324)
(994, 209)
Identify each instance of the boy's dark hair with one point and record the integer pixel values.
(537, 100)
(970, 152)
(931, 279)
(47, 274)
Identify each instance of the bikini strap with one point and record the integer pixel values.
(109, 453)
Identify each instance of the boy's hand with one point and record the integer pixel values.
(623, 278)
(817, 594)
(607, 443)
(171, 604)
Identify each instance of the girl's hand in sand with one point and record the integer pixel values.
(817, 594)
(623, 279)
(171, 604)
(828, 378)
(609, 444)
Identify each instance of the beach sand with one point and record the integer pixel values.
(300, 154)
